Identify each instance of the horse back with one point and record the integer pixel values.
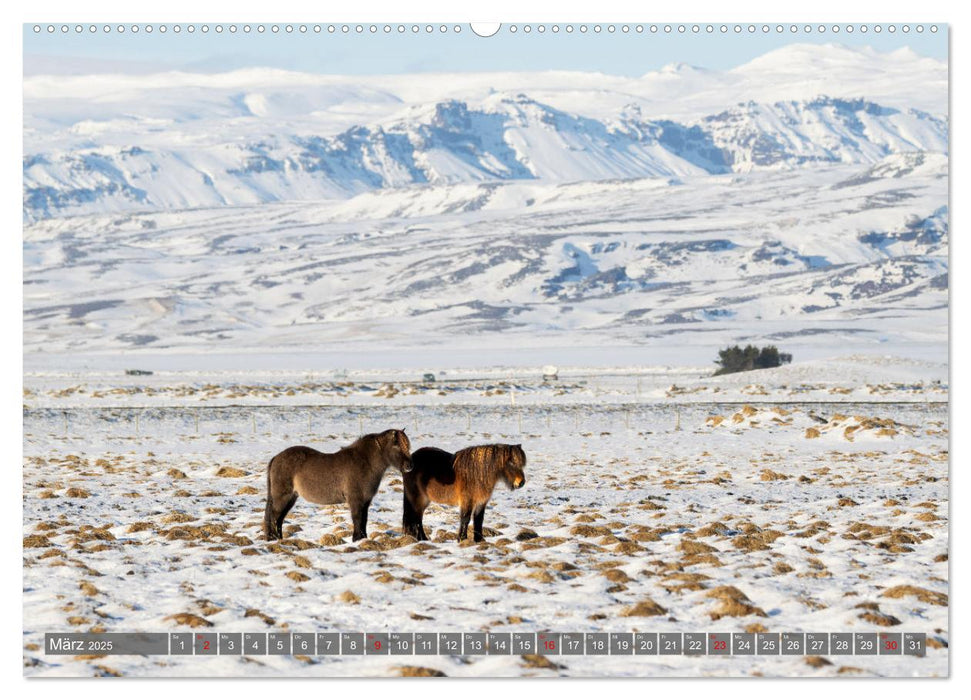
(434, 475)
(319, 477)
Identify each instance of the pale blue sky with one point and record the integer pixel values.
(618, 53)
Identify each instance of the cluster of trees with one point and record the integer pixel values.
(737, 359)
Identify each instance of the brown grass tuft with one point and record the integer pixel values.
(645, 608)
(419, 672)
(186, 618)
(732, 603)
(817, 661)
(36, 541)
(695, 547)
(590, 530)
(616, 576)
(349, 597)
(253, 612)
(879, 618)
(539, 661)
(231, 472)
(922, 594)
(330, 540)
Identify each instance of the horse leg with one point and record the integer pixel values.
(420, 510)
(410, 517)
(464, 516)
(283, 514)
(359, 518)
(478, 516)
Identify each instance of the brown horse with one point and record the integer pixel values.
(464, 479)
(351, 475)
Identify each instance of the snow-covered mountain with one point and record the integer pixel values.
(177, 140)
(502, 137)
(273, 211)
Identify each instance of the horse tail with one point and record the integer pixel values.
(269, 529)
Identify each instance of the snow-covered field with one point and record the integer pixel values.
(690, 510)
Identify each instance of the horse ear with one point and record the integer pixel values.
(402, 430)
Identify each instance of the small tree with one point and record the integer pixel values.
(735, 359)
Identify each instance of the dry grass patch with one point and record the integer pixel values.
(590, 530)
(539, 661)
(922, 594)
(187, 618)
(878, 618)
(695, 547)
(231, 472)
(418, 672)
(350, 598)
(253, 612)
(36, 541)
(645, 608)
(817, 661)
(616, 576)
(732, 603)
(629, 548)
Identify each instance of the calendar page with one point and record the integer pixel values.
(544, 349)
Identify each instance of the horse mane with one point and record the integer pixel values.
(481, 462)
(376, 439)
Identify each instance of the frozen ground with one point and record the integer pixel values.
(657, 511)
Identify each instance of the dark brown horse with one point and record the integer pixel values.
(464, 479)
(351, 475)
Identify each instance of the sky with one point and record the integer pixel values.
(616, 53)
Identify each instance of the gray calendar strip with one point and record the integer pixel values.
(490, 643)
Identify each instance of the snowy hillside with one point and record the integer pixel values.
(845, 254)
